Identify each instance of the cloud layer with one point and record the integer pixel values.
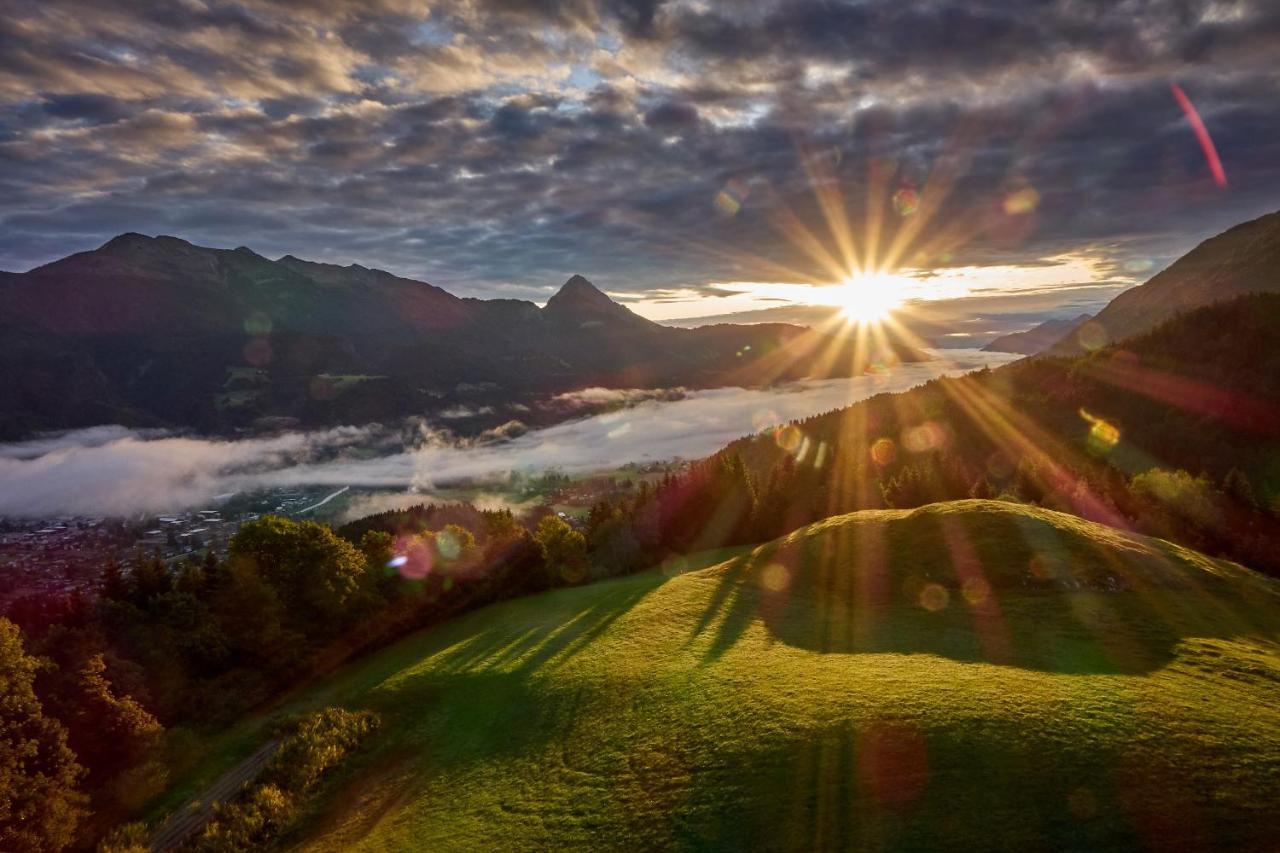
(495, 147)
(110, 471)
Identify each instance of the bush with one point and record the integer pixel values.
(126, 838)
(263, 813)
(314, 744)
(309, 747)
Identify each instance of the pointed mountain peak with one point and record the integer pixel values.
(577, 294)
(578, 287)
(580, 301)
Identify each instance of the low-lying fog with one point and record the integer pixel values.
(111, 470)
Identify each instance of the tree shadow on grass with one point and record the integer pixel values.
(526, 648)
(995, 585)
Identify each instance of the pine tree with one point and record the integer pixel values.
(114, 585)
(1237, 485)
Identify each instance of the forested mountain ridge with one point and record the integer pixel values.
(158, 331)
(1241, 260)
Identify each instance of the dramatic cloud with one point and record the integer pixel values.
(495, 147)
(112, 471)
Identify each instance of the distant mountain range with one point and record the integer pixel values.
(1038, 338)
(156, 331)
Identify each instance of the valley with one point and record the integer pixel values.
(894, 678)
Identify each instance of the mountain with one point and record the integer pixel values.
(1038, 338)
(156, 331)
(579, 303)
(898, 680)
(1244, 259)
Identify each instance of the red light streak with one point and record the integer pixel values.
(1202, 134)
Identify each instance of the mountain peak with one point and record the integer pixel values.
(579, 287)
(125, 241)
(580, 301)
(578, 293)
(132, 241)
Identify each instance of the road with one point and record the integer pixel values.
(189, 820)
(323, 502)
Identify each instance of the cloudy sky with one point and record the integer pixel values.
(667, 149)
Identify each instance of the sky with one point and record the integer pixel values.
(689, 157)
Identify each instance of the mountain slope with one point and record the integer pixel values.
(157, 331)
(1038, 338)
(1244, 259)
(886, 680)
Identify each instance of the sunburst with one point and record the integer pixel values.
(868, 297)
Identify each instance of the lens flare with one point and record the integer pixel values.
(934, 597)
(731, 198)
(257, 323)
(1202, 135)
(1021, 201)
(1092, 336)
(1103, 435)
(906, 201)
(788, 437)
(775, 577)
(883, 451)
(928, 436)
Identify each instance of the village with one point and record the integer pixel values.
(49, 557)
(45, 558)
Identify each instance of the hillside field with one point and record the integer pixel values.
(973, 674)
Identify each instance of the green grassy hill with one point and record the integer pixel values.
(973, 674)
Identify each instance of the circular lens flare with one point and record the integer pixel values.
(869, 297)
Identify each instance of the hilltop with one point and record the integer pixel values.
(156, 331)
(900, 679)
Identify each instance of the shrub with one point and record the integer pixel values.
(314, 744)
(309, 747)
(126, 838)
(264, 812)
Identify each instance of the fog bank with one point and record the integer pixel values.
(111, 470)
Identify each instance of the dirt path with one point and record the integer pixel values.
(190, 819)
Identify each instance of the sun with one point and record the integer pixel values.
(868, 297)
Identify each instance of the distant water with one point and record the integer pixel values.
(110, 470)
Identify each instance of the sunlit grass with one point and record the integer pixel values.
(736, 707)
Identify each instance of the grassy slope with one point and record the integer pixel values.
(821, 705)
